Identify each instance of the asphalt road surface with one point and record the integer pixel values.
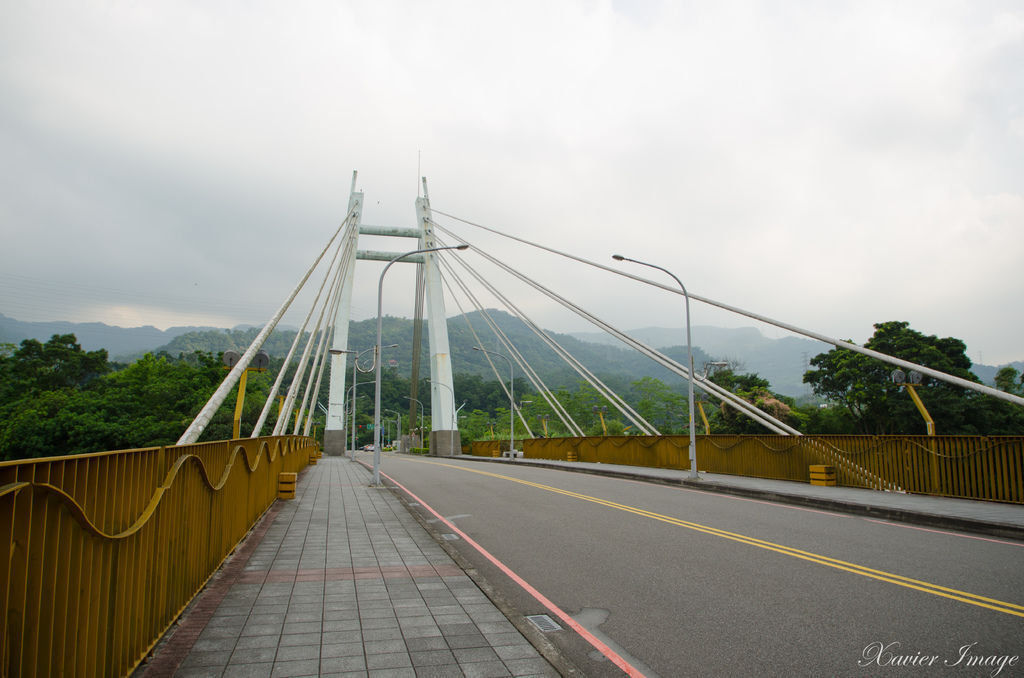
(678, 582)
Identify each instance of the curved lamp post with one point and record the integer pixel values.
(398, 427)
(689, 353)
(417, 401)
(511, 399)
(376, 395)
(352, 388)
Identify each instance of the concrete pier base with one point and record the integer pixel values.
(445, 443)
(335, 442)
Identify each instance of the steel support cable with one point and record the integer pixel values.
(832, 454)
(557, 407)
(541, 387)
(549, 396)
(341, 252)
(319, 379)
(300, 371)
(487, 356)
(513, 352)
(738, 403)
(571, 360)
(325, 344)
(198, 424)
(748, 409)
(534, 378)
(319, 356)
(258, 428)
(616, 401)
(838, 343)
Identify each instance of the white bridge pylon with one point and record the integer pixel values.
(444, 436)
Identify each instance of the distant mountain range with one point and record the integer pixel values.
(781, 361)
(119, 341)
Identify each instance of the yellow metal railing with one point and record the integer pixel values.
(971, 467)
(107, 549)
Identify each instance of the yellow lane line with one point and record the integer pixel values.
(880, 575)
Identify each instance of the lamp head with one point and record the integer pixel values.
(618, 257)
(463, 246)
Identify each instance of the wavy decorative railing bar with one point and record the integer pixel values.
(107, 549)
(970, 467)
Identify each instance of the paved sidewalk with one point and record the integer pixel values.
(342, 581)
(985, 517)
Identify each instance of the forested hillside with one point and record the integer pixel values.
(604, 360)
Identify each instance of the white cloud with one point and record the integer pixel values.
(832, 165)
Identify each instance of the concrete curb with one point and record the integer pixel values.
(925, 519)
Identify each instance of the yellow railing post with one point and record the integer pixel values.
(105, 550)
(239, 402)
(928, 421)
(704, 417)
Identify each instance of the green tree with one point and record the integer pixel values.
(665, 409)
(60, 363)
(1010, 380)
(863, 386)
(155, 399)
(757, 391)
(58, 399)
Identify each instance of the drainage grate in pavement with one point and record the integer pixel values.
(544, 622)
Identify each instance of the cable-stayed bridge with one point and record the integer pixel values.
(453, 269)
(106, 550)
(447, 277)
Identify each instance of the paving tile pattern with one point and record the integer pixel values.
(344, 582)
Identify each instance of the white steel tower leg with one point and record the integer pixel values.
(335, 431)
(444, 435)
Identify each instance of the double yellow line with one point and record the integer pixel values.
(880, 575)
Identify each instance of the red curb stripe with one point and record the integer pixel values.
(540, 597)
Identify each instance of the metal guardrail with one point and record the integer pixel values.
(969, 467)
(107, 549)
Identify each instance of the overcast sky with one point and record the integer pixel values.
(832, 165)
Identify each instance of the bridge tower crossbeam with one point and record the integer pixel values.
(445, 435)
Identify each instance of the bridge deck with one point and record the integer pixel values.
(972, 515)
(343, 581)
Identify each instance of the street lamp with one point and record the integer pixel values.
(689, 353)
(511, 399)
(398, 427)
(380, 306)
(338, 351)
(421, 418)
(355, 373)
